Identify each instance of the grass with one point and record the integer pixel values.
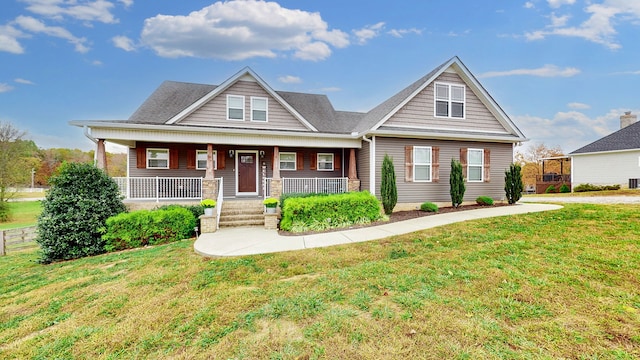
(621, 192)
(561, 284)
(23, 213)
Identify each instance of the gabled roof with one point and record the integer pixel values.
(627, 138)
(225, 85)
(381, 113)
(169, 99)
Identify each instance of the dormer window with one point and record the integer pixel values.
(235, 107)
(449, 100)
(258, 109)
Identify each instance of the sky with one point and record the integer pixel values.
(563, 70)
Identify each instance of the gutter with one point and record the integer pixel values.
(95, 141)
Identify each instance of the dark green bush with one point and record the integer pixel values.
(484, 200)
(456, 183)
(565, 189)
(5, 214)
(148, 227)
(81, 199)
(196, 210)
(429, 206)
(551, 189)
(591, 187)
(323, 211)
(388, 188)
(513, 186)
(611, 187)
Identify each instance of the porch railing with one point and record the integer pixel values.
(160, 188)
(309, 185)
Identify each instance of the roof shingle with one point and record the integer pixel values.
(627, 138)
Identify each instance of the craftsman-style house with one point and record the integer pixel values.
(243, 139)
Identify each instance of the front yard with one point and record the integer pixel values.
(561, 284)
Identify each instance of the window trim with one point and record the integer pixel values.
(295, 160)
(215, 159)
(266, 108)
(449, 100)
(149, 158)
(481, 166)
(333, 159)
(229, 107)
(429, 164)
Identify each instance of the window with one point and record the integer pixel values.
(475, 165)
(235, 107)
(449, 100)
(258, 109)
(421, 163)
(157, 158)
(201, 160)
(287, 161)
(325, 162)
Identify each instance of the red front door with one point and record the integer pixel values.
(247, 172)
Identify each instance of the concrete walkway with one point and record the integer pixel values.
(256, 240)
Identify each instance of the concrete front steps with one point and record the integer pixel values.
(242, 213)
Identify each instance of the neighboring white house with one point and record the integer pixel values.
(613, 159)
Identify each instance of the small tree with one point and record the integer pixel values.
(75, 212)
(456, 182)
(388, 188)
(14, 165)
(513, 183)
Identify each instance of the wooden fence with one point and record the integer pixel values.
(17, 239)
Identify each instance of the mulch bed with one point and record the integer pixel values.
(399, 216)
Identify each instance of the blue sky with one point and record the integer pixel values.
(564, 70)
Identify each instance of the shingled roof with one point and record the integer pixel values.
(627, 138)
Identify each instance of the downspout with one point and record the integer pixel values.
(95, 141)
(372, 161)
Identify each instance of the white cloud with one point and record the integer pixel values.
(599, 28)
(529, 5)
(290, 79)
(5, 87)
(23, 81)
(368, 32)
(578, 106)
(9, 39)
(557, 3)
(96, 63)
(126, 3)
(33, 25)
(98, 10)
(123, 43)
(545, 71)
(401, 32)
(238, 30)
(570, 130)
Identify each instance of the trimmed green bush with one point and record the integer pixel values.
(565, 189)
(81, 199)
(196, 210)
(429, 206)
(388, 188)
(513, 185)
(148, 227)
(591, 187)
(484, 200)
(323, 212)
(284, 197)
(551, 189)
(456, 183)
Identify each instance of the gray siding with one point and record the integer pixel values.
(228, 173)
(414, 192)
(362, 160)
(419, 111)
(214, 113)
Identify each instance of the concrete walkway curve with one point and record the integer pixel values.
(255, 240)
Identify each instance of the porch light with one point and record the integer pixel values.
(261, 153)
(231, 152)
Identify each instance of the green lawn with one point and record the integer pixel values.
(560, 284)
(23, 213)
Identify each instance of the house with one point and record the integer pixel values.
(248, 140)
(613, 159)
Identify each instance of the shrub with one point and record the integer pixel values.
(148, 227)
(81, 199)
(513, 186)
(551, 189)
(5, 214)
(565, 189)
(484, 200)
(321, 212)
(429, 206)
(284, 197)
(388, 188)
(591, 187)
(196, 210)
(456, 182)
